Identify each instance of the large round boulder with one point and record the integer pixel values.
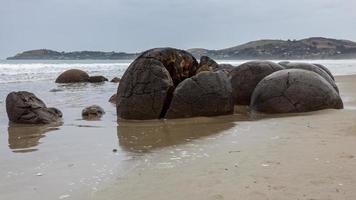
(73, 76)
(245, 77)
(313, 68)
(146, 88)
(24, 107)
(294, 90)
(206, 94)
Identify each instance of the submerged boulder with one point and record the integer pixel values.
(313, 68)
(97, 79)
(92, 112)
(206, 94)
(245, 77)
(294, 90)
(73, 76)
(115, 80)
(147, 86)
(24, 107)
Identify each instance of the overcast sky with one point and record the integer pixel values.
(136, 25)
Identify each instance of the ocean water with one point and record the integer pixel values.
(76, 158)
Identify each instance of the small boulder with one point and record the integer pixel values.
(205, 94)
(97, 79)
(207, 64)
(113, 99)
(313, 68)
(24, 107)
(92, 112)
(73, 76)
(245, 77)
(115, 80)
(294, 90)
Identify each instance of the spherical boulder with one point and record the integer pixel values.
(325, 69)
(313, 68)
(24, 107)
(206, 94)
(97, 79)
(93, 112)
(73, 76)
(207, 64)
(294, 90)
(245, 77)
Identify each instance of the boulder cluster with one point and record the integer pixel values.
(170, 83)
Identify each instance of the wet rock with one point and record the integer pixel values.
(206, 94)
(147, 86)
(24, 107)
(113, 99)
(92, 112)
(97, 79)
(207, 64)
(313, 68)
(73, 76)
(294, 90)
(325, 69)
(115, 80)
(245, 77)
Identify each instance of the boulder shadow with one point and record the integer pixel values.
(25, 138)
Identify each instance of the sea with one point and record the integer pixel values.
(76, 158)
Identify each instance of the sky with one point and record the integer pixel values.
(137, 25)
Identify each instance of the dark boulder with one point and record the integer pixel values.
(92, 112)
(113, 99)
(313, 68)
(207, 64)
(325, 69)
(294, 90)
(245, 77)
(206, 94)
(24, 107)
(97, 79)
(115, 80)
(73, 76)
(147, 86)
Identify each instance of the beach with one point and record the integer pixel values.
(294, 156)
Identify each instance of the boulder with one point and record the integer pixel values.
(147, 86)
(207, 64)
(294, 90)
(245, 77)
(97, 79)
(206, 94)
(113, 99)
(92, 112)
(313, 68)
(115, 80)
(325, 69)
(226, 68)
(24, 107)
(73, 76)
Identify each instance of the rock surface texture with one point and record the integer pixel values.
(294, 90)
(93, 112)
(245, 77)
(207, 64)
(325, 69)
(73, 76)
(24, 107)
(206, 94)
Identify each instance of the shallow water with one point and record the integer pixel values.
(76, 157)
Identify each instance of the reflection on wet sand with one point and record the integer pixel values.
(145, 136)
(22, 138)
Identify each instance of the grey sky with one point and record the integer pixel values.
(136, 25)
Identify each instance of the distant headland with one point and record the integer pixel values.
(310, 48)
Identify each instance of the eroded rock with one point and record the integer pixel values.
(93, 112)
(73, 76)
(207, 64)
(294, 90)
(206, 94)
(24, 107)
(245, 77)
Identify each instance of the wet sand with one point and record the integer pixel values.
(304, 156)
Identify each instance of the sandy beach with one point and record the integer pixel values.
(301, 156)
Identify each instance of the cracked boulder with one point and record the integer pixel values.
(146, 88)
(73, 76)
(294, 90)
(206, 94)
(313, 68)
(24, 107)
(245, 77)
